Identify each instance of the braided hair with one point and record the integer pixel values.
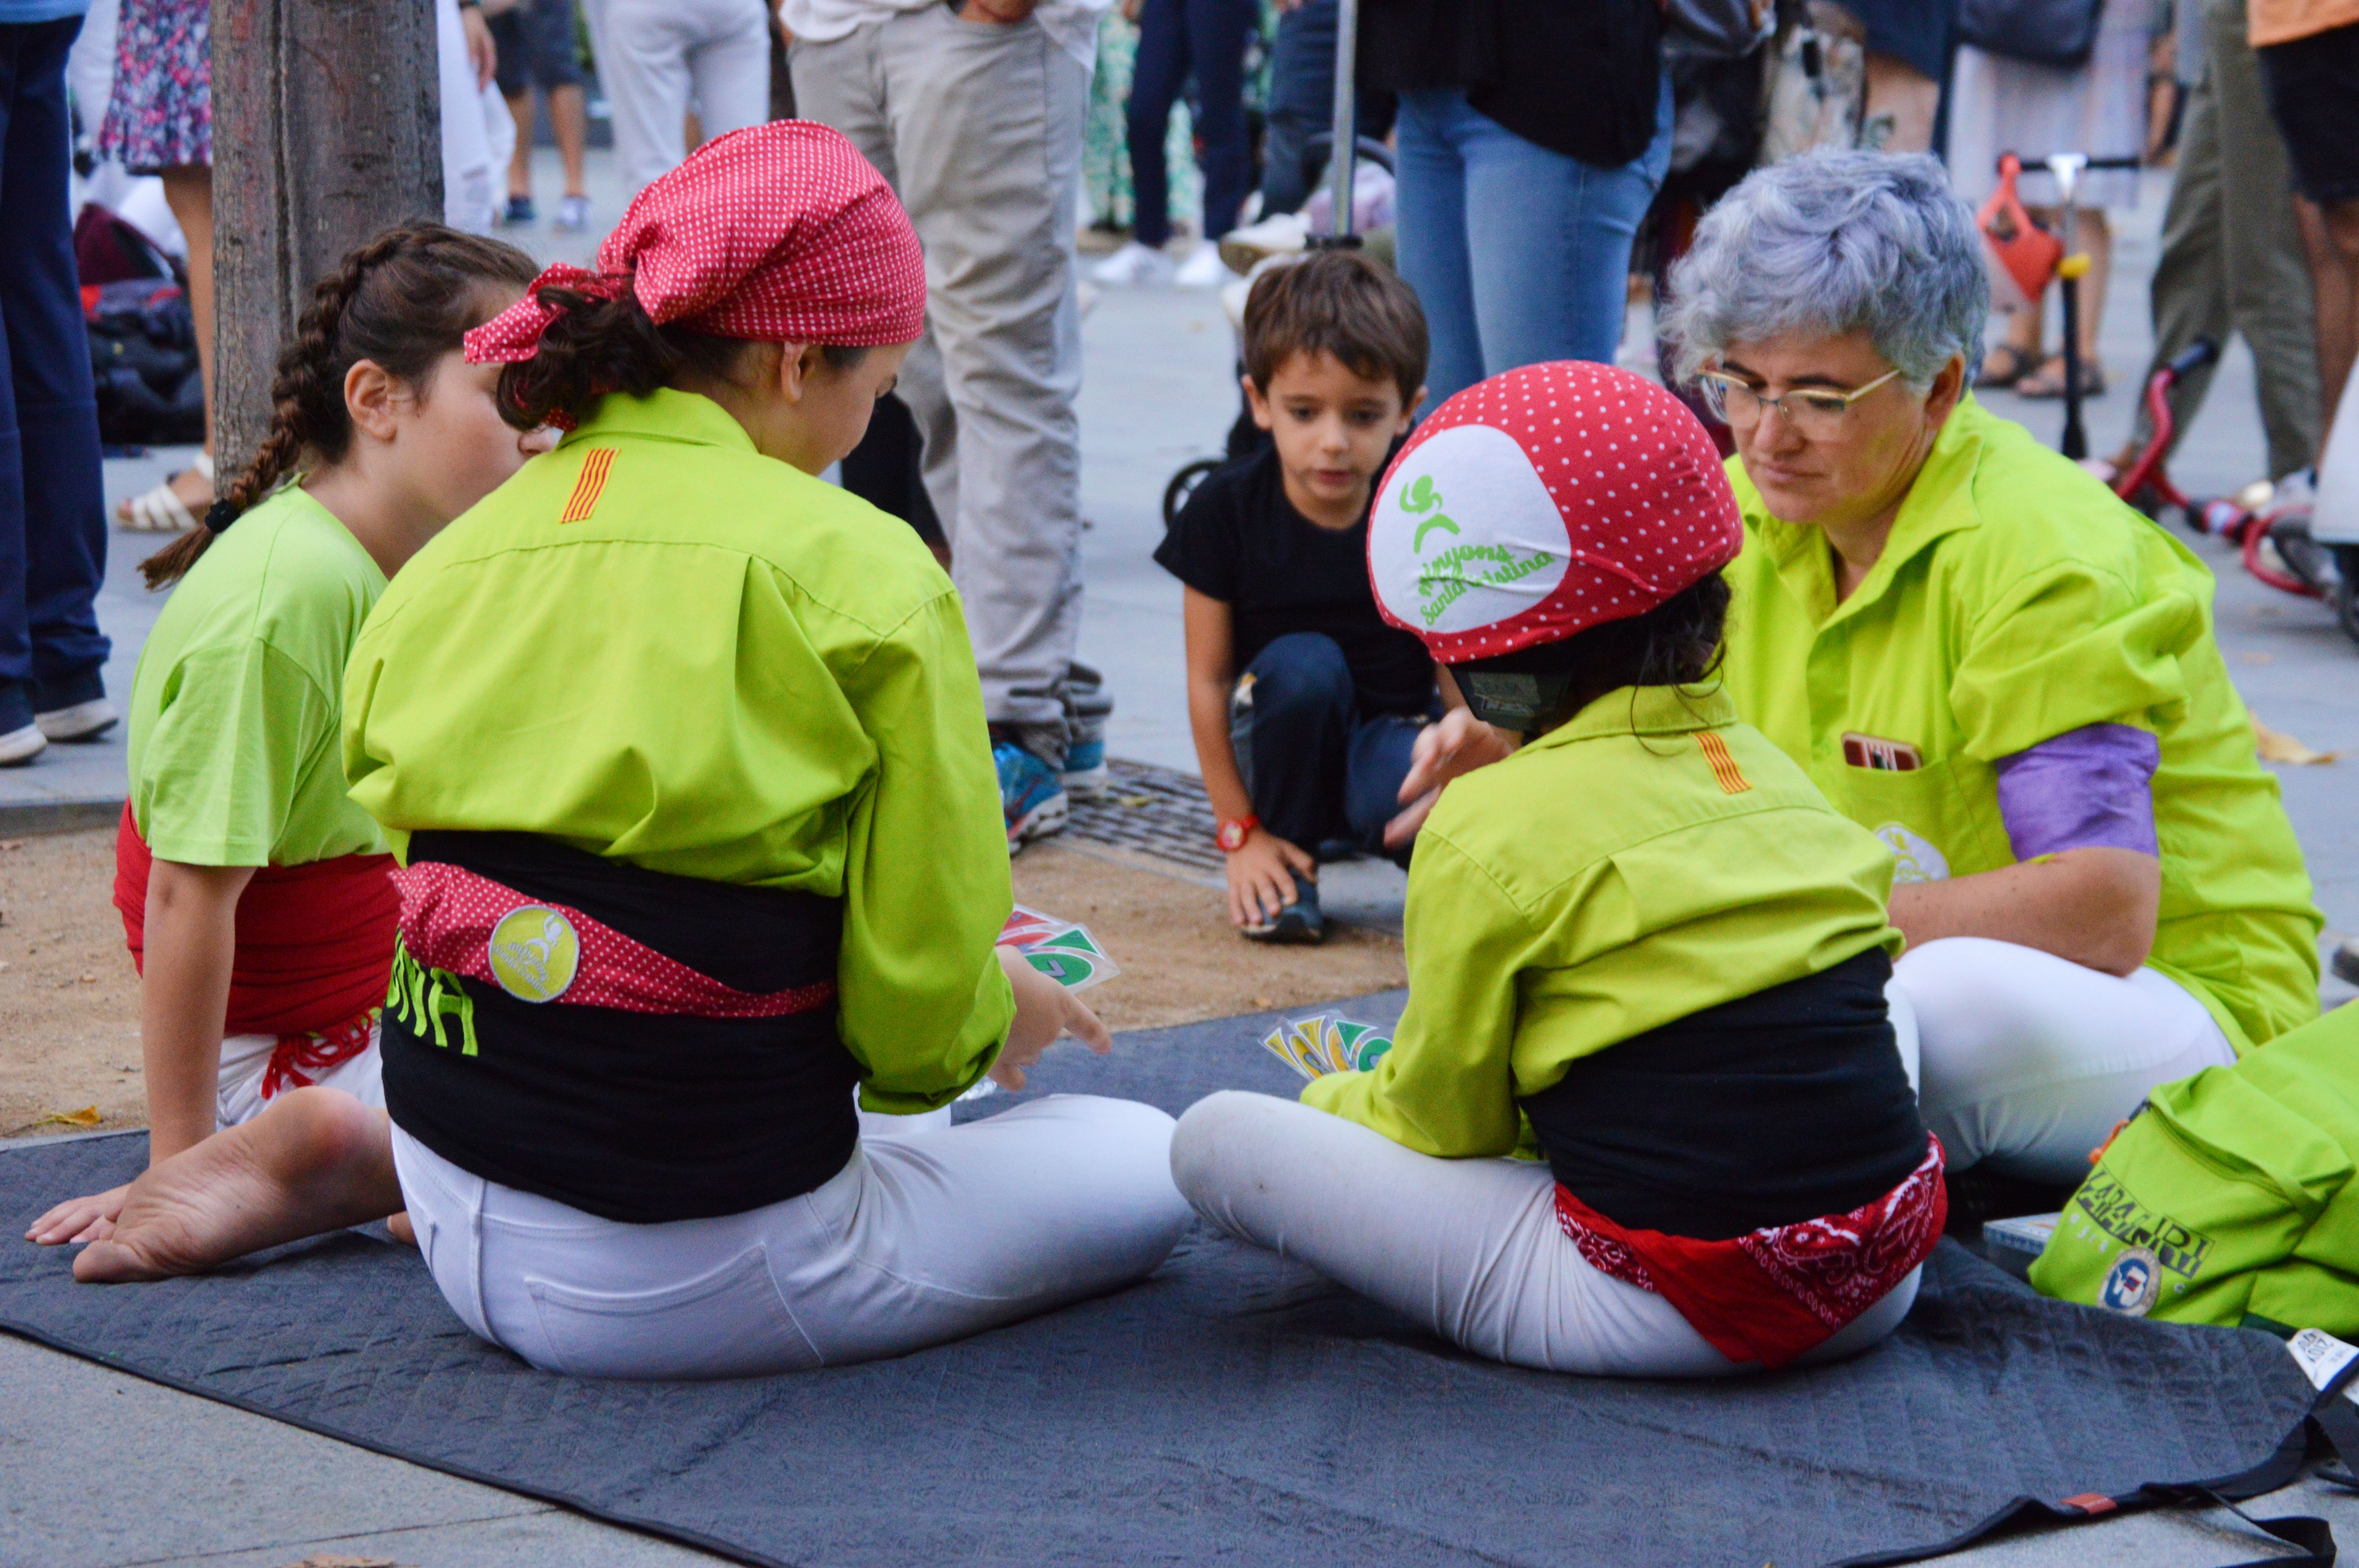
(402, 300)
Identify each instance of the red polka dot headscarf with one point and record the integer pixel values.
(780, 233)
(1542, 503)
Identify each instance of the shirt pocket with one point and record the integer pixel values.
(1922, 815)
(728, 1321)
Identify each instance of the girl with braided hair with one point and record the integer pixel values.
(254, 895)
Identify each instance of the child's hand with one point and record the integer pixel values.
(1261, 877)
(1454, 746)
(88, 1219)
(1044, 1011)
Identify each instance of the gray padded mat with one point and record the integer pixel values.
(1235, 1408)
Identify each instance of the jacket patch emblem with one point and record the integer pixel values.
(1725, 770)
(2110, 1205)
(534, 952)
(1920, 861)
(589, 486)
(2132, 1283)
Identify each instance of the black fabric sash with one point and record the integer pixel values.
(631, 1116)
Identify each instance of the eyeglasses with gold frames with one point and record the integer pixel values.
(1816, 413)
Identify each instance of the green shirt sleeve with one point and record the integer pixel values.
(923, 1003)
(2070, 646)
(1447, 1087)
(239, 727)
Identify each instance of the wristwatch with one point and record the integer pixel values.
(1232, 835)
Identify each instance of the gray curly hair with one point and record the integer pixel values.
(1836, 241)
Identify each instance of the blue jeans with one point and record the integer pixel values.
(52, 515)
(1302, 103)
(1318, 772)
(1541, 270)
(1176, 37)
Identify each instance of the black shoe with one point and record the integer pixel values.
(1300, 923)
(2346, 961)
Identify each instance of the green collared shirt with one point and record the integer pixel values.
(2017, 600)
(1649, 858)
(657, 644)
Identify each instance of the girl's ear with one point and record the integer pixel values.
(798, 363)
(372, 397)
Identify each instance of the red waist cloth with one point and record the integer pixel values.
(1774, 1294)
(314, 942)
(452, 919)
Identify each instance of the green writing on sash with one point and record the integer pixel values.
(423, 998)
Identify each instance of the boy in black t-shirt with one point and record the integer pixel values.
(1304, 704)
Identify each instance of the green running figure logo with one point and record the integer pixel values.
(1445, 579)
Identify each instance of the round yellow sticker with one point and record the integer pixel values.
(534, 952)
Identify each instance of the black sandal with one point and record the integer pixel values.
(2018, 365)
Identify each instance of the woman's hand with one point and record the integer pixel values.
(1261, 876)
(1451, 747)
(1044, 1011)
(80, 1219)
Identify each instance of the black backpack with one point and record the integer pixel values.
(143, 356)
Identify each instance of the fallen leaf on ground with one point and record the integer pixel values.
(86, 1117)
(2277, 746)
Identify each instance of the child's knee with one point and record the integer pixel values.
(1298, 674)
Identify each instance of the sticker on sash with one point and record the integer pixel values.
(1881, 756)
(534, 952)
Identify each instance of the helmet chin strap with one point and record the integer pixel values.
(1528, 704)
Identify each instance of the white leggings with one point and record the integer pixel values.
(1469, 1248)
(918, 1239)
(2027, 1060)
(246, 1062)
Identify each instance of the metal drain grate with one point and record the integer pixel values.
(1151, 811)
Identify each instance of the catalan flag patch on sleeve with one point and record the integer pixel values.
(595, 465)
(1725, 770)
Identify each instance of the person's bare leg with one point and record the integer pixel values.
(317, 1160)
(2330, 236)
(189, 191)
(520, 161)
(569, 113)
(2095, 237)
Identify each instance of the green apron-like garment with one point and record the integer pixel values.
(657, 644)
(2230, 1200)
(2018, 599)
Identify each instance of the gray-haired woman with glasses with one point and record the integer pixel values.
(1984, 658)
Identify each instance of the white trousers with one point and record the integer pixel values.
(2027, 1060)
(921, 1238)
(1470, 1248)
(246, 1062)
(657, 59)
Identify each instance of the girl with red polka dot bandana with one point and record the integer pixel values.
(683, 751)
(1645, 955)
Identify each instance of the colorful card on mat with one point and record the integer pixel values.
(1318, 1045)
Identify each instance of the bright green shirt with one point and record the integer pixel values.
(697, 659)
(233, 758)
(2016, 600)
(1610, 877)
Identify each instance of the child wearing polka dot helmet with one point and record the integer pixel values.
(1642, 946)
(1541, 505)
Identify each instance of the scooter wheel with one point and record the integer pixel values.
(2346, 596)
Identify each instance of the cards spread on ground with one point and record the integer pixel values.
(1318, 1045)
(1060, 949)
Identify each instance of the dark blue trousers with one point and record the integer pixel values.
(1302, 105)
(1319, 773)
(52, 510)
(1177, 37)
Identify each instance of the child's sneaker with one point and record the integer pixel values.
(1031, 795)
(572, 215)
(519, 210)
(1300, 923)
(1132, 266)
(1086, 776)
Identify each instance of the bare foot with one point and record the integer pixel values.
(403, 1231)
(88, 1219)
(317, 1160)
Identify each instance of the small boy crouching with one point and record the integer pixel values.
(1304, 705)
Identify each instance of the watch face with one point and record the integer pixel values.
(1232, 836)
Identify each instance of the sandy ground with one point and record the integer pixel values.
(69, 1003)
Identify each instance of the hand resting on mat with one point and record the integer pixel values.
(89, 1218)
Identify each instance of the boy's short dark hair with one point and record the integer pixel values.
(1338, 302)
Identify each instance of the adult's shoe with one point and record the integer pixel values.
(1032, 795)
(77, 722)
(2346, 962)
(572, 215)
(1202, 269)
(20, 737)
(1132, 266)
(519, 210)
(1280, 233)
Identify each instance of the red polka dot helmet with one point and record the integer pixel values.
(1541, 502)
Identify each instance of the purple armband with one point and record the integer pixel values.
(2087, 788)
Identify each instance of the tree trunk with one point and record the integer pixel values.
(326, 130)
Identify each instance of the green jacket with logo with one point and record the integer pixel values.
(2230, 1200)
(2016, 600)
(689, 656)
(1651, 858)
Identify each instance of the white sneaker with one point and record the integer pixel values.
(1281, 233)
(83, 721)
(1202, 269)
(21, 746)
(1132, 266)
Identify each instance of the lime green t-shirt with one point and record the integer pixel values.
(237, 709)
(657, 644)
(1648, 859)
(2017, 600)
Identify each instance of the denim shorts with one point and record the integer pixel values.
(537, 47)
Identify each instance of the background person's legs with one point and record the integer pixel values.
(1217, 31)
(730, 66)
(2189, 294)
(2027, 1060)
(1430, 193)
(986, 133)
(643, 65)
(2313, 93)
(1550, 261)
(1160, 70)
(1291, 729)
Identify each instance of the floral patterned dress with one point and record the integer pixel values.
(161, 115)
